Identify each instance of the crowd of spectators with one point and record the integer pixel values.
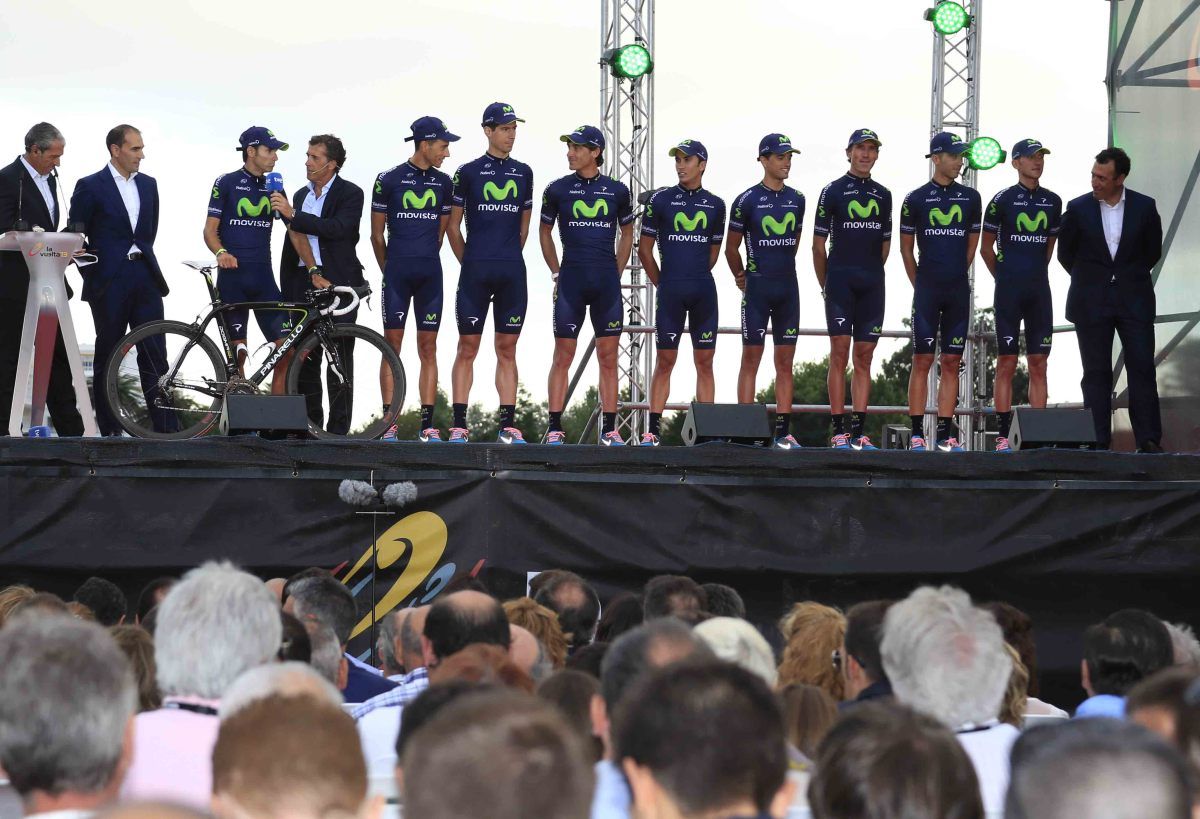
(223, 694)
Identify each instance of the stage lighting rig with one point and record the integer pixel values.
(948, 18)
(629, 62)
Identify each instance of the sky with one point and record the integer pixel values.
(192, 75)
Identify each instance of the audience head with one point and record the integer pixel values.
(104, 598)
(673, 595)
(1184, 644)
(286, 679)
(527, 652)
(41, 603)
(523, 759)
(861, 664)
(703, 739)
(409, 650)
(276, 585)
(213, 625)
(723, 601)
(149, 810)
(426, 706)
(151, 595)
(138, 647)
(323, 598)
(80, 611)
(1123, 649)
(1159, 701)
(387, 641)
(325, 654)
(623, 613)
(481, 662)
(292, 757)
(572, 692)
(67, 701)
(883, 760)
(294, 644)
(457, 620)
(575, 602)
(10, 598)
(589, 658)
(813, 633)
(1017, 628)
(542, 623)
(736, 641)
(1016, 694)
(945, 657)
(1099, 769)
(809, 713)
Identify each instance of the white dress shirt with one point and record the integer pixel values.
(130, 196)
(42, 180)
(314, 204)
(1112, 217)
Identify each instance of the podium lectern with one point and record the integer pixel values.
(46, 310)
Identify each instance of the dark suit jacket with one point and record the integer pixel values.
(1084, 253)
(98, 206)
(336, 230)
(16, 184)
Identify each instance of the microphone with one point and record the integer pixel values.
(274, 183)
(320, 169)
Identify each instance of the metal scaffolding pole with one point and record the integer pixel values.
(955, 107)
(627, 120)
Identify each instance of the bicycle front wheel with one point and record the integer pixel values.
(342, 371)
(166, 379)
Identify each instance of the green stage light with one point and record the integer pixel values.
(985, 153)
(948, 17)
(630, 62)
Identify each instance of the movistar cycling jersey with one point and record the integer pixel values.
(1023, 221)
(243, 204)
(414, 201)
(941, 218)
(588, 212)
(771, 222)
(686, 223)
(493, 194)
(856, 215)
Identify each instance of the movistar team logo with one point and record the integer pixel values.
(431, 316)
(1025, 224)
(956, 340)
(514, 319)
(507, 109)
(582, 209)
(699, 220)
(706, 335)
(378, 186)
(414, 202)
(612, 325)
(493, 191)
(993, 209)
(779, 227)
(821, 211)
(939, 217)
(857, 210)
(904, 211)
(216, 192)
(245, 208)
(784, 140)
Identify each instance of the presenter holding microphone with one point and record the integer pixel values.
(238, 232)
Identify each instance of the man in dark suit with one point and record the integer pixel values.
(117, 207)
(1110, 242)
(28, 200)
(323, 226)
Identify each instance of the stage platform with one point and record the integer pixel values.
(1068, 536)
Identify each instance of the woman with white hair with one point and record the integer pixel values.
(216, 623)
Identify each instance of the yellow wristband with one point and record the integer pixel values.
(220, 250)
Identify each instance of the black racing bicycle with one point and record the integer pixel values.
(167, 379)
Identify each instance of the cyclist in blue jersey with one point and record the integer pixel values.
(854, 216)
(591, 209)
(687, 221)
(769, 217)
(410, 206)
(238, 231)
(1020, 228)
(495, 195)
(941, 219)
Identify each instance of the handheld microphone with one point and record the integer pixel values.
(274, 183)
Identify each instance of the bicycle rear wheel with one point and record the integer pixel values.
(166, 379)
(338, 371)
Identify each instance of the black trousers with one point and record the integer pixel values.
(341, 395)
(60, 396)
(1095, 351)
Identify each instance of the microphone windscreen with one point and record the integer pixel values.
(274, 181)
(357, 493)
(400, 494)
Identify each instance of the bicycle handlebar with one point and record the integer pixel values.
(354, 294)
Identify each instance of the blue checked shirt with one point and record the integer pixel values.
(406, 690)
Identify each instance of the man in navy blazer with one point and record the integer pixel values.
(29, 199)
(117, 207)
(323, 221)
(1111, 241)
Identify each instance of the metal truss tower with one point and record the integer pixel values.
(627, 120)
(955, 107)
